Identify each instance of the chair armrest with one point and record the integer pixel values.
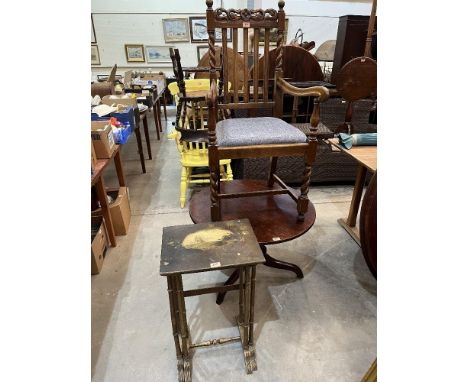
(321, 92)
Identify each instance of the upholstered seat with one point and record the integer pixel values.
(257, 131)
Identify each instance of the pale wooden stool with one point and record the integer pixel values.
(208, 247)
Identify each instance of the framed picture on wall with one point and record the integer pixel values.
(93, 32)
(135, 53)
(199, 31)
(95, 60)
(201, 50)
(274, 35)
(157, 53)
(175, 30)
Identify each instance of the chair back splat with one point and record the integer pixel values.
(252, 93)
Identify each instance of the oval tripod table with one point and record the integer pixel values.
(273, 219)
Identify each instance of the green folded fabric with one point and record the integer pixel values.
(348, 141)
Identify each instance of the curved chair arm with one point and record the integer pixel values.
(321, 92)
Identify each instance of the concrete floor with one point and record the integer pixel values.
(320, 328)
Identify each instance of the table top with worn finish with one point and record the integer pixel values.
(365, 155)
(204, 247)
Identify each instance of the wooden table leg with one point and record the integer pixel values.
(185, 375)
(247, 339)
(278, 264)
(269, 262)
(231, 280)
(350, 224)
(102, 195)
(140, 148)
(165, 103)
(148, 143)
(155, 115)
(119, 169)
(175, 319)
(159, 114)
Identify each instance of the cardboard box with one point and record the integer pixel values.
(99, 243)
(103, 139)
(119, 209)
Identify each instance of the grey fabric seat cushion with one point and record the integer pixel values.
(257, 131)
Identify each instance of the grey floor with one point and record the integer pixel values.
(320, 328)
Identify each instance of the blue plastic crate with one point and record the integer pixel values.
(122, 134)
(125, 117)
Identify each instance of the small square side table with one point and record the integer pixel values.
(202, 248)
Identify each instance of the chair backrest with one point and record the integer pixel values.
(270, 21)
(177, 68)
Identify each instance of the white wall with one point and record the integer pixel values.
(120, 22)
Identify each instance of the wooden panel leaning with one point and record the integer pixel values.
(261, 136)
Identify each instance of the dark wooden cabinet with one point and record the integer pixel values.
(350, 40)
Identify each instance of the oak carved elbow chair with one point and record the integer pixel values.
(261, 136)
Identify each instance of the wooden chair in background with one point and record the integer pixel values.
(262, 136)
(190, 129)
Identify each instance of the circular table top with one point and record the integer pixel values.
(273, 217)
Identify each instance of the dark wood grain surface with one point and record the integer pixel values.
(368, 225)
(298, 64)
(357, 79)
(273, 217)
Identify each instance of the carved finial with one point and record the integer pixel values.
(280, 4)
(209, 3)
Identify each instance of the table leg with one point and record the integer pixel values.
(171, 289)
(231, 280)
(186, 374)
(165, 103)
(140, 148)
(119, 169)
(155, 116)
(102, 195)
(357, 194)
(350, 224)
(273, 263)
(252, 303)
(249, 349)
(159, 114)
(269, 262)
(148, 143)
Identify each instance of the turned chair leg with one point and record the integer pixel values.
(183, 186)
(214, 190)
(273, 164)
(303, 200)
(229, 172)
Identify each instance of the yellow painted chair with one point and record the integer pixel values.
(190, 131)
